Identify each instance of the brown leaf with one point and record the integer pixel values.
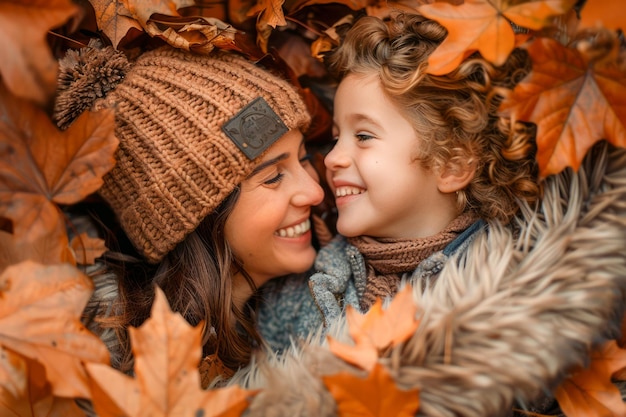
(48, 249)
(212, 367)
(167, 352)
(590, 392)
(25, 392)
(87, 249)
(269, 12)
(28, 68)
(40, 166)
(58, 340)
(485, 26)
(114, 20)
(574, 102)
(377, 329)
(375, 396)
(117, 18)
(198, 34)
(142, 10)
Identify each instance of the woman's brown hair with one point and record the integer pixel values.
(196, 277)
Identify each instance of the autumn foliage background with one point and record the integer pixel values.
(575, 94)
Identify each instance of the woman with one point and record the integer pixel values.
(212, 186)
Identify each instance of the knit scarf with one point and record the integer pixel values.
(388, 259)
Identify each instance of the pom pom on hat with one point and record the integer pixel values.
(86, 75)
(175, 164)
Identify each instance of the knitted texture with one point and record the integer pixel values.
(175, 165)
(388, 259)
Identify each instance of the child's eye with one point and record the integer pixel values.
(275, 179)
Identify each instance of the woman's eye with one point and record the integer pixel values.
(306, 158)
(274, 180)
(361, 137)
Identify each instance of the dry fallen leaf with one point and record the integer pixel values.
(198, 34)
(143, 9)
(25, 392)
(377, 329)
(590, 392)
(27, 66)
(573, 101)
(114, 20)
(485, 26)
(48, 249)
(87, 249)
(40, 319)
(374, 396)
(42, 166)
(167, 353)
(609, 14)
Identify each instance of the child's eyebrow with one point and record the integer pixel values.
(268, 163)
(359, 117)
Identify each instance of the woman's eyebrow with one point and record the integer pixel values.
(267, 163)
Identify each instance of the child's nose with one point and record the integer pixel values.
(336, 158)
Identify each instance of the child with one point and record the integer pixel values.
(419, 166)
(507, 311)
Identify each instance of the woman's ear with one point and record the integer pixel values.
(454, 177)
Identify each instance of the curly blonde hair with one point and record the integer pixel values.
(455, 114)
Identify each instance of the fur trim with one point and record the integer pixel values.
(504, 325)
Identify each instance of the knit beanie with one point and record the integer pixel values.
(178, 157)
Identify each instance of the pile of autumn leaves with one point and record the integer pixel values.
(576, 96)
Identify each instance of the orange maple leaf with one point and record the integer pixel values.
(590, 392)
(167, 353)
(40, 319)
(25, 392)
(573, 101)
(602, 13)
(28, 68)
(42, 166)
(377, 329)
(485, 26)
(87, 249)
(374, 396)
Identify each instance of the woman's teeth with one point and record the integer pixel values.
(296, 230)
(344, 191)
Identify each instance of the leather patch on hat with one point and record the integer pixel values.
(255, 128)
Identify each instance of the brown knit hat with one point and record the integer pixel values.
(175, 164)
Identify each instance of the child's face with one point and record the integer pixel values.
(380, 189)
(268, 229)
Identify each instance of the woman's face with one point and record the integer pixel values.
(269, 227)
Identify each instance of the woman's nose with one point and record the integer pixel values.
(309, 192)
